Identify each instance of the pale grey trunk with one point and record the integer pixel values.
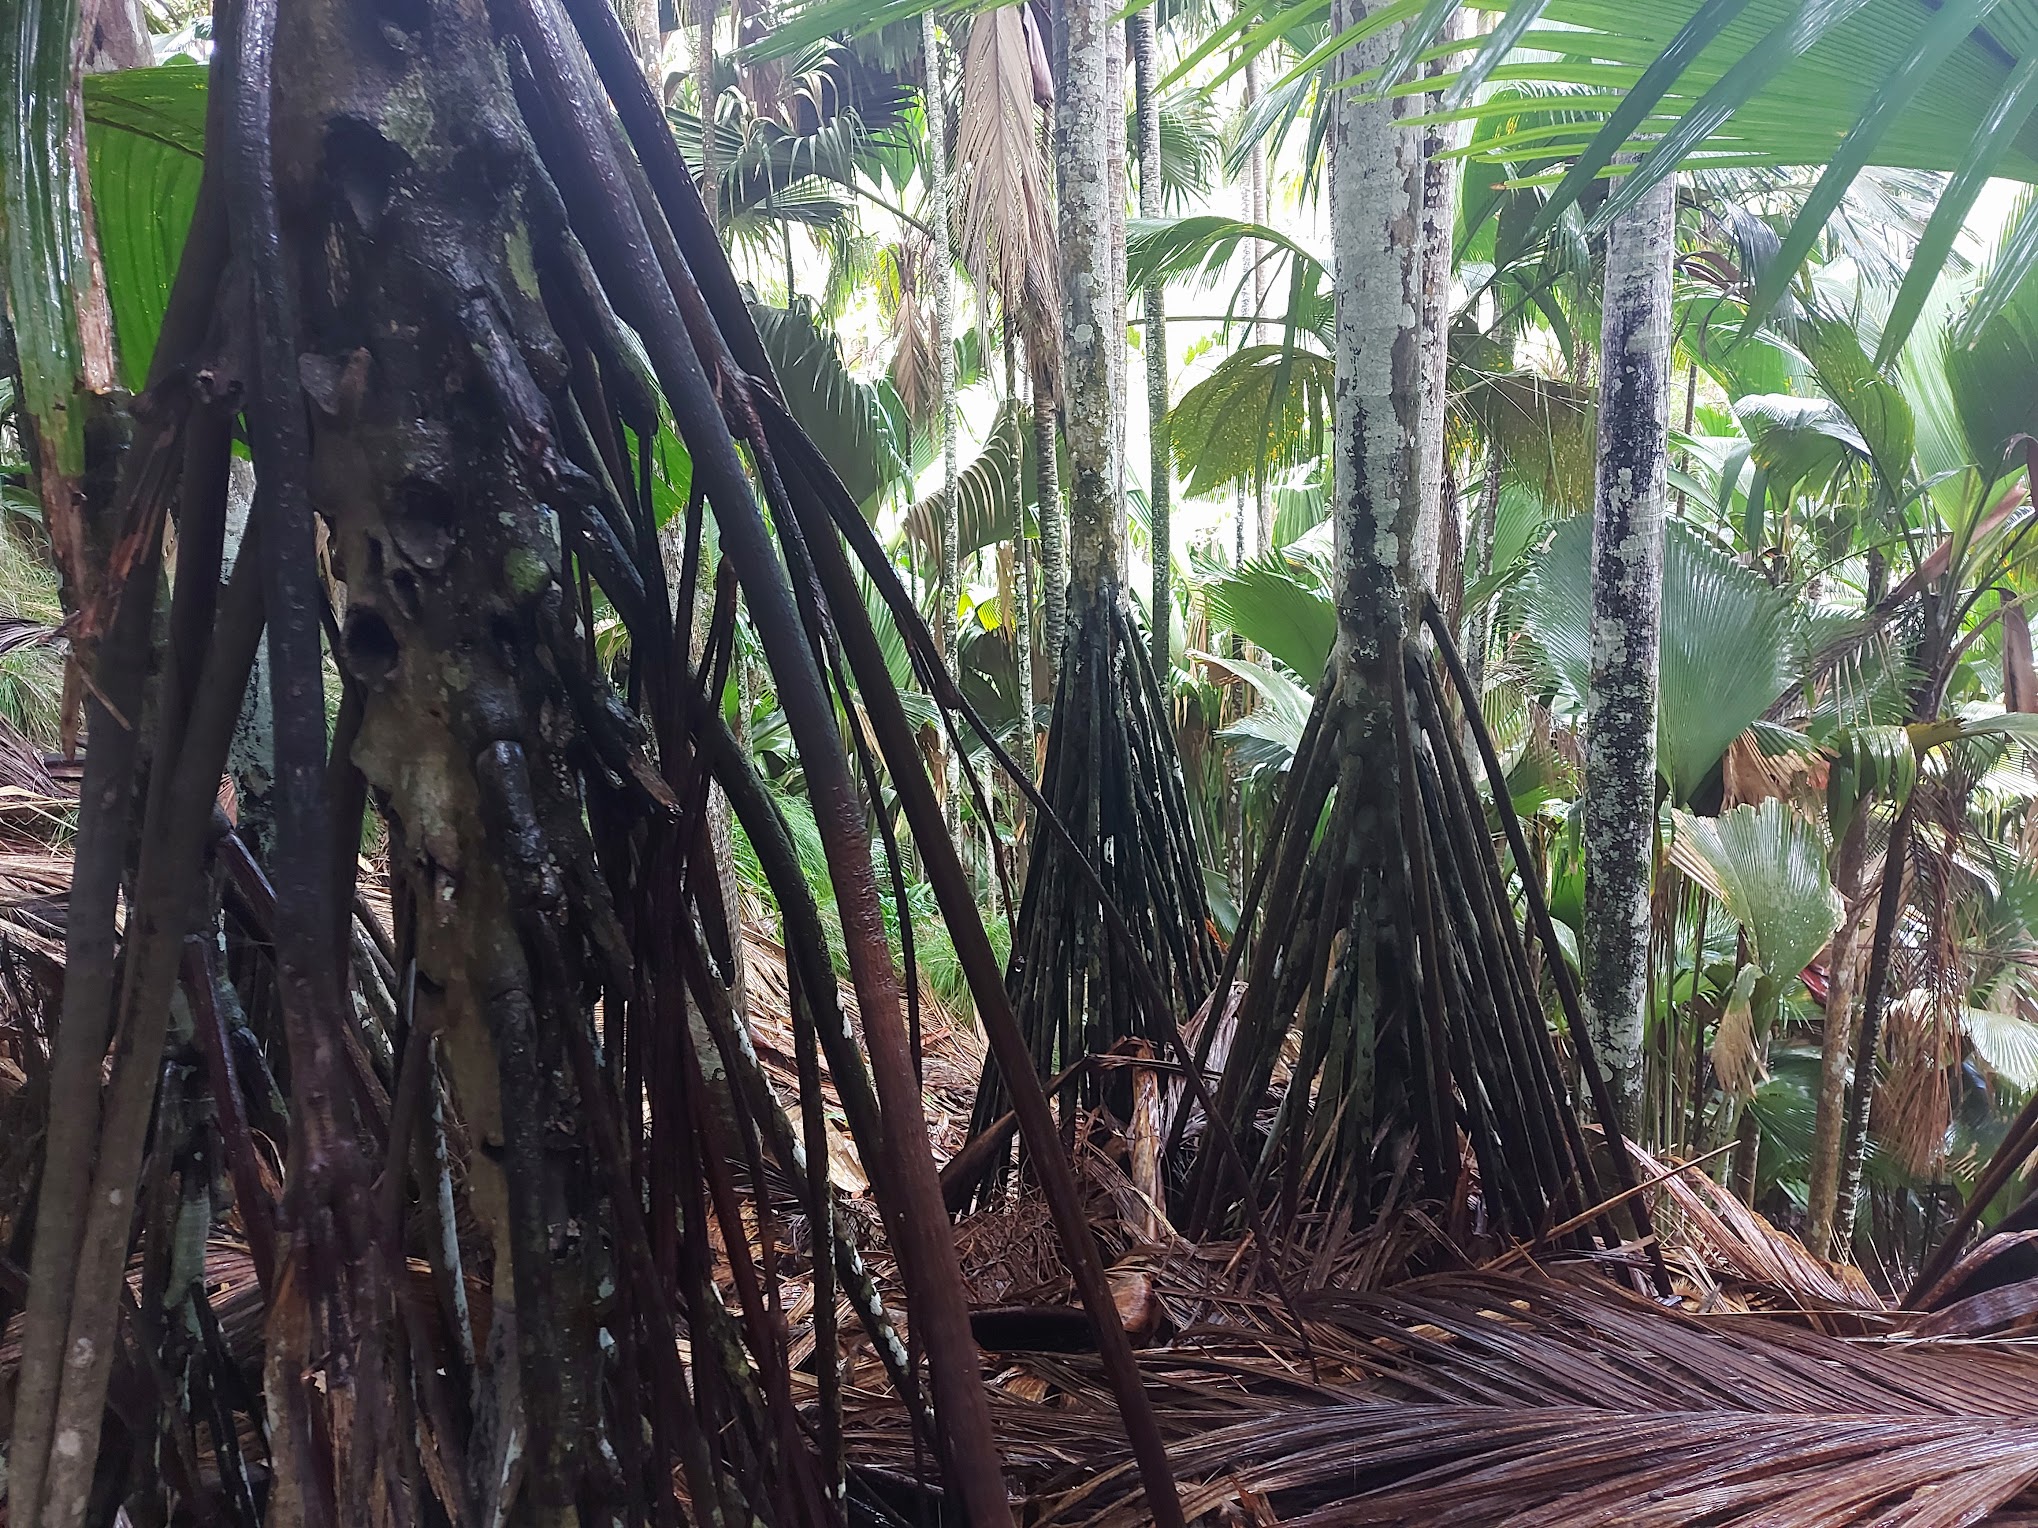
(648, 38)
(1627, 595)
(1376, 232)
(1147, 100)
(1440, 175)
(1089, 143)
(1836, 1044)
(943, 275)
(1054, 561)
(1256, 211)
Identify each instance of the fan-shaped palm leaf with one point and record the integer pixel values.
(1202, 249)
(846, 418)
(990, 496)
(1732, 644)
(1990, 355)
(1266, 738)
(144, 145)
(2007, 1045)
(1767, 866)
(1278, 608)
(1797, 442)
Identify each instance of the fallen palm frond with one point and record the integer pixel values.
(1718, 1239)
(1475, 1399)
(1574, 1466)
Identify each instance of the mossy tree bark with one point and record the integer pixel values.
(1627, 598)
(1142, 31)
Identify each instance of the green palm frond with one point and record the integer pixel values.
(1261, 409)
(144, 149)
(847, 418)
(1767, 866)
(1205, 248)
(1280, 609)
(1189, 147)
(1731, 645)
(2006, 1044)
(991, 503)
(1990, 353)
(1545, 429)
(1799, 443)
(1264, 740)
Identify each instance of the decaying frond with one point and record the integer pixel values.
(1007, 234)
(915, 363)
(1475, 1399)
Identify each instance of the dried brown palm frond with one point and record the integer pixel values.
(1470, 1399)
(1913, 1108)
(1007, 236)
(1718, 1240)
(915, 365)
(952, 1056)
(1575, 1466)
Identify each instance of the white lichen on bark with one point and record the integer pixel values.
(1089, 151)
(1376, 233)
(1145, 49)
(1627, 595)
(1440, 178)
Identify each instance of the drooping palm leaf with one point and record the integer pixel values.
(1544, 428)
(1008, 242)
(1767, 866)
(1732, 644)
(991, 503)
(1278, 608)
(846, 418)
(144, 146)
(1797, 442)
(1189, 147)
(1204, 249)
(1990, 352)
(1265, 739)
(1262, 408)
(1998, 130)
(2006, 1043)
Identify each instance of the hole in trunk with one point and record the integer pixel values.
(371, 648)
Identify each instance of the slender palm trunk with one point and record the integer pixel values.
(1375, 216)
(944, 329)
(1256, 210)
(1054, 560)
(1440, 176)
(1089, 163)
(1836, 1041)
(1479, 633)
(1379, 920)
(1147, 104)
(1110, 774)
(1627, 594)
(704, 87)
(1889, 911)
(649, 40)
(1019, 619)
